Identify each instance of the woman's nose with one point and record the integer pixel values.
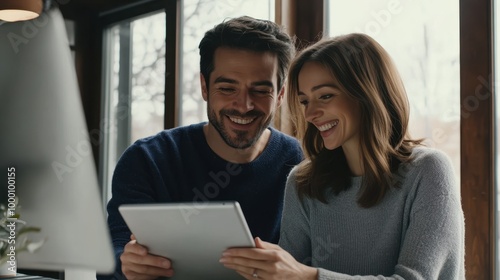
(312, 112)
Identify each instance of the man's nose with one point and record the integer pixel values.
(244, 101)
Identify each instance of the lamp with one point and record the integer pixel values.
(17, 10)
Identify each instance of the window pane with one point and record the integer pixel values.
(423, 39)
(148, 76)
(135, 86)
(198, 16)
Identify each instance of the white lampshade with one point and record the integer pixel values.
(17, 10)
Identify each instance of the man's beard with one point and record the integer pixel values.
(243, 139)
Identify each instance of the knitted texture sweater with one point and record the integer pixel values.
(416, 232)
(177, 165)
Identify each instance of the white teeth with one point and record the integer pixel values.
(328, 126)
(241, 121)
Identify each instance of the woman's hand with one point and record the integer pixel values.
(266, 261)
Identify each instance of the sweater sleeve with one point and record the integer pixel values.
(433, 245)
(295, 231)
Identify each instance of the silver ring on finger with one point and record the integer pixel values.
(254, 274)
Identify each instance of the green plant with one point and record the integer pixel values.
(13, 232)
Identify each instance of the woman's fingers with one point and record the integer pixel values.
(259, 243)
(256, 253)
(248, 272)
(267, 261)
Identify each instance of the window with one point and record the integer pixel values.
(422, 37)
(135, 85)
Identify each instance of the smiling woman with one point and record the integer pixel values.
(320, 94)
(423, 39)
(366, 188)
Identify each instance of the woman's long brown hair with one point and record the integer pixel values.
(366, 73)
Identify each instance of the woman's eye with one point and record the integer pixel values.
(326, 96)
(303, 102)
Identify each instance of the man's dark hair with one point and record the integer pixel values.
(249, 34)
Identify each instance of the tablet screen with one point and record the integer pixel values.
(192, 235)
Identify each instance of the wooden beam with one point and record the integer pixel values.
(304, 21)
(476, 130)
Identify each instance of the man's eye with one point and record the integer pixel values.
(227, 90)
(262, 91)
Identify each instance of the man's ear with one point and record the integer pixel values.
(204, 90)
(281, 96)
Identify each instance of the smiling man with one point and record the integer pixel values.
(242, 95)
(236, 155)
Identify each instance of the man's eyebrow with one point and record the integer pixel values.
(263, 83)
(222, 79)
(225, 80)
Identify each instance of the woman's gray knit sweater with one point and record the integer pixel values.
(416, 232)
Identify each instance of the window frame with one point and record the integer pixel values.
(171, 8)
(171, 92)
(477, 139)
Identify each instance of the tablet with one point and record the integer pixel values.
(192, 235)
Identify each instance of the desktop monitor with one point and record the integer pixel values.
(45, 149)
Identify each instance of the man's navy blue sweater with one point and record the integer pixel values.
(177, 165)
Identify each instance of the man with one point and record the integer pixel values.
(235, 156)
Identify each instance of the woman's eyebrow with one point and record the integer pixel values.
(317, 87)
(314, 88)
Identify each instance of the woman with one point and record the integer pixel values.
(368, 202)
